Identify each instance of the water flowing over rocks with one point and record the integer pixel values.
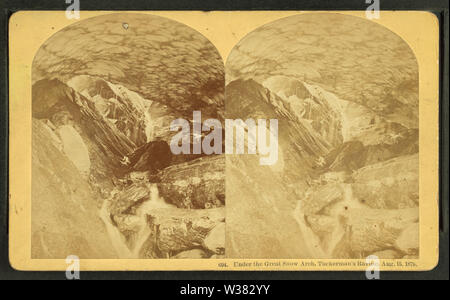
(346, 181)
(348, 184)
(136, 216)
(105, 183)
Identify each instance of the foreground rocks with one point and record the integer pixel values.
(389, 185)
(198, 184)
(173, 231)
(374, 210)
(215, 240)
(105, 183)
(151, 227)
(368, 231)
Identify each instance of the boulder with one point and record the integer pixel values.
(322, 225)
(371, 230)
(124, 201)
(392, 184)
(199, 183)
(321, 196)
(215, 240)
(174, 230)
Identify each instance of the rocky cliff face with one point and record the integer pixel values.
(345, 92)
(345, 187)
(260, 199)
(310, 105)
(122, 168)
(64, 209)
(126, 110)
(105, 184)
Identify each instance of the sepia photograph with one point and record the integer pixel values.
(346, 183)
(105, 183)
(224, 141)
